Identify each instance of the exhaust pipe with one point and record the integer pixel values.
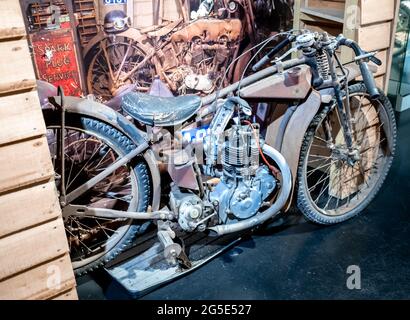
(261, 217)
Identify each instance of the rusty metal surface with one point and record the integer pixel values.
(131, 33)
(295, 131)
(189, 56)
(199, 52)
(184, 175)
(55, 59)
(294, 83)
(101, 112)
(296, 128)
(211, 29)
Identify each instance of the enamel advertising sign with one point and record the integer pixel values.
(56, 60)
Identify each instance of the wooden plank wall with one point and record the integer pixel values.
(34, 258)
(146, 12)
(371, 23)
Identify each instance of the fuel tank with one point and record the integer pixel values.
(291, 84)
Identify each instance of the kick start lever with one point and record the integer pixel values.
(166, 235)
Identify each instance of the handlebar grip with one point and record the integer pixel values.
(260, 63)
(375, 60)
(368, 80)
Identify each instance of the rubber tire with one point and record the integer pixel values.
(303, 200)
(92, 53)
(124, 145)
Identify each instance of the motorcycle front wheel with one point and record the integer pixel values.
(90, 147)
(335, 184)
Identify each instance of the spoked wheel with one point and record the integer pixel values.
(113, 66)
(333, 183)
(90, 147)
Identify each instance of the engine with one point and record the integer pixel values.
(244, 183)
(232, 155)
(204, 48)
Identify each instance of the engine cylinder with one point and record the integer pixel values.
(240, 152)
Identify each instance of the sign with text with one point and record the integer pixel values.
(108, 2)
(56, 60)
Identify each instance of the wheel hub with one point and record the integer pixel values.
(343, 154)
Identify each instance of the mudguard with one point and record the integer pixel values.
(101, 112)
(296, 128)
(289, 142)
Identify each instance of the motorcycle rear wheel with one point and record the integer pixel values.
(92, 145)
(330, 188)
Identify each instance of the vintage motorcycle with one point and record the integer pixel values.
(188, 56)
(303, 131)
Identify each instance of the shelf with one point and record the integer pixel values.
(86, 17)
(91, 25)
(372, 27)
(335, 15)
(88, 33)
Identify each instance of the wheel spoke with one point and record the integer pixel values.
(318, 146)
(335, 186)
(310, 172)
(321, 139)
(123, 61)
(83, 167)
(373, 147)
(117, 63)
(79, 240)
(320, 159)
(321, 179)
(86, 153)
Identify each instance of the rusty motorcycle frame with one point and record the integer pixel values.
(303, 131)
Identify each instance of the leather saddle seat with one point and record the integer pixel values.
(160, 111)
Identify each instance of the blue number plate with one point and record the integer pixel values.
(196, 134)
(108, 2)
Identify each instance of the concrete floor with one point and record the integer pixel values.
(299, 260)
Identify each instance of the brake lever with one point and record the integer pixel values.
(370, 56)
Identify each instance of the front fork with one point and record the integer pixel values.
(343, 109)
(344, 113)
